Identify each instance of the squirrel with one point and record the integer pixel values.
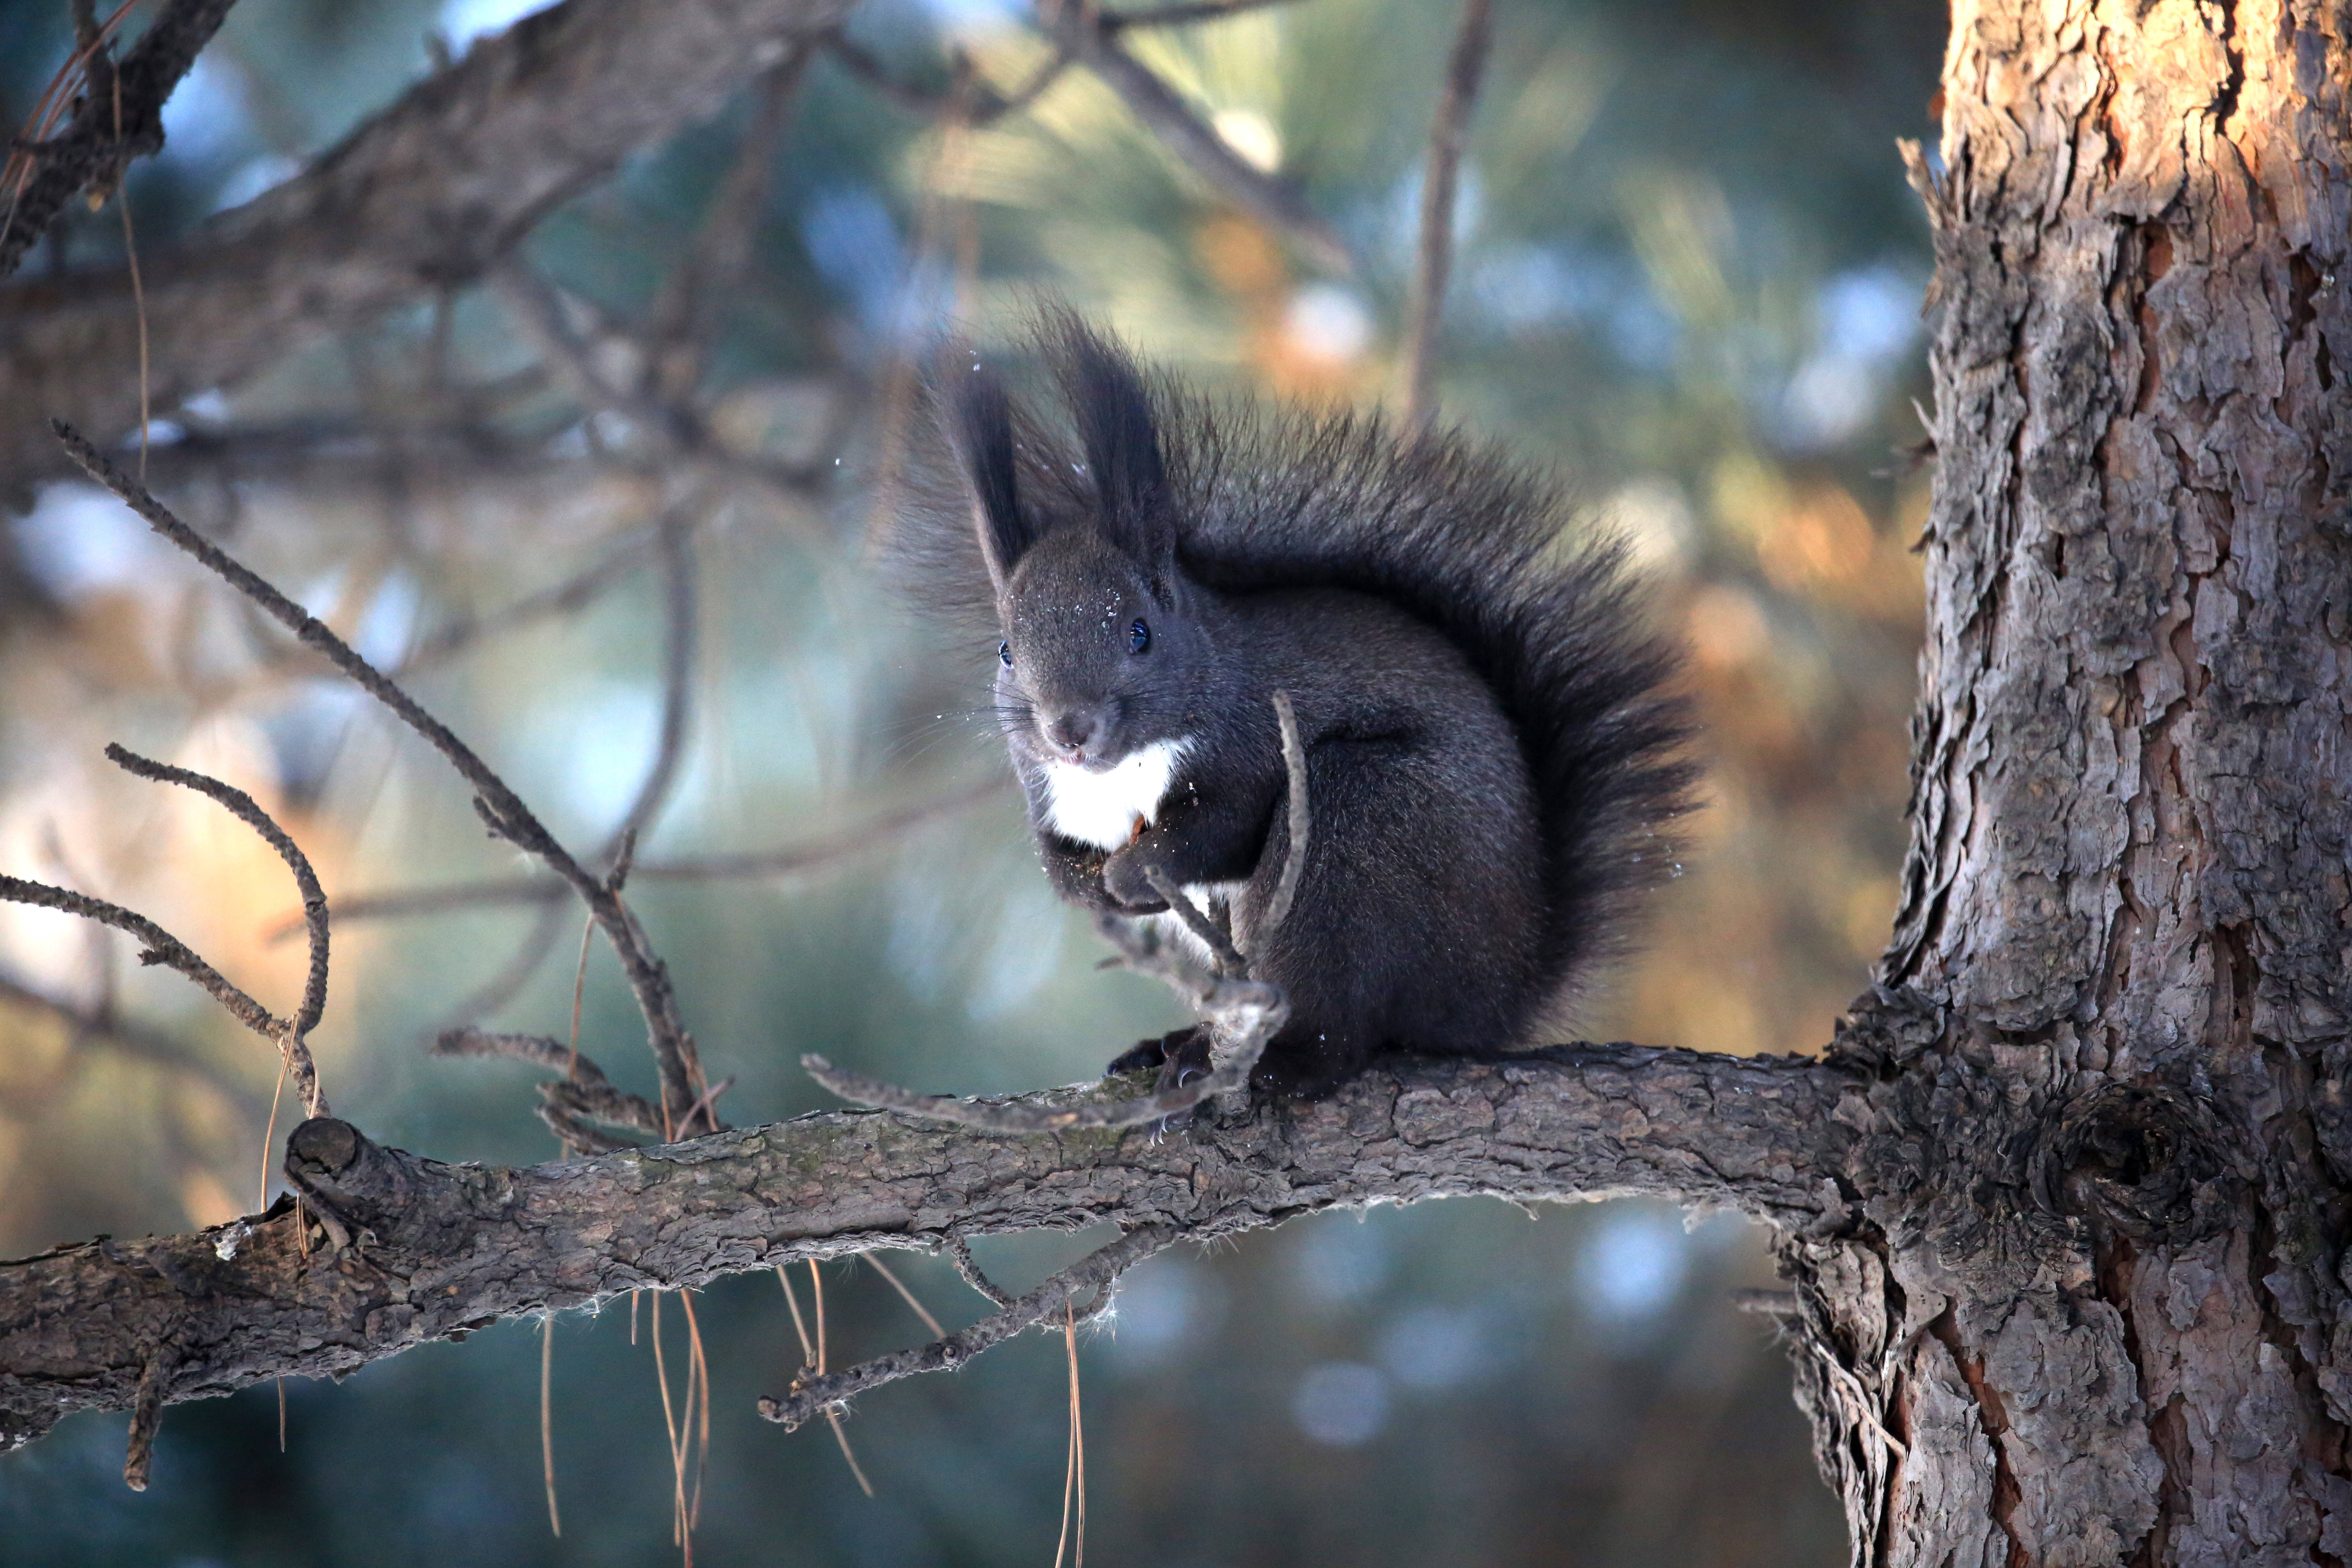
(1494, 752)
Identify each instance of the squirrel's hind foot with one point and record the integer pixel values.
(1181, 1055)
(1177, 1049)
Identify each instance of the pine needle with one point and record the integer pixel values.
(842, 1436)
(546, 1420)
(816, 1291)
(897, 1284)
(269, 1135)
(579, 989)
(812, 1356)
(808, 1353)
(680, 1534)
(698, 1386)
(1074, 1474)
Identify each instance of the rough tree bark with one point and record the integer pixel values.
(428, 1250)
(2063, 1204)
(2094, 1290)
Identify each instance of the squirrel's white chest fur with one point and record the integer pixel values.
(1104, 809)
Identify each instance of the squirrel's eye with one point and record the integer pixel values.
(1139, 637)
(1004, 652)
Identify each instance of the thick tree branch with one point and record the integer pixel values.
(427, 194)
(433, 1248)
(109, 128)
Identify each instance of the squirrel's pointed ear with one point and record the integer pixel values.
(1119, 430)
(980, 423)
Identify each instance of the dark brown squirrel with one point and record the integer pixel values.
(1495, 761)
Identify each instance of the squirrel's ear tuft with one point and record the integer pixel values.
(1117, 427)
(980, 419)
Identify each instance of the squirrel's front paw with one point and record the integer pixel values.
(1127, 880)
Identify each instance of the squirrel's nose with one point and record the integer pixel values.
(1074, 731)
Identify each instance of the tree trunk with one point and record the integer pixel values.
(2087, 1306)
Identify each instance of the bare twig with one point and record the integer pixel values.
(959, 1252)
(1096, 1271)
(583, 1091)
(1300, 823)
(1257, 1008)
(1463, 71)
(535, 306)
(678, 324)
(497, 804)
(314, 898)
(970, 102)
(160, 947)
(1184, 16)
(674, 538)
(1272, 201)
(786, 860)
(563, 598)
(1204, 931)
(708, 1099)
(495, 993)
(1250, 1012)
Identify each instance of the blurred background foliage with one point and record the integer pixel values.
(1687, 274)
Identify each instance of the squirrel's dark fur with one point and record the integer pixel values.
(1493, 759)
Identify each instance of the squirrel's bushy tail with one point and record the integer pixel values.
(1484, 550)
(1545, 607)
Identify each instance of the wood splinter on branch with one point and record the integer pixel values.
(1243, 1012)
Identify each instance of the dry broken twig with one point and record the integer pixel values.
(583, 1090)
(1464, 70)
(160, 947)
(495, 801)
(959, 1252)
(147, 1416)
(1096, 1272)
(294, 1042)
